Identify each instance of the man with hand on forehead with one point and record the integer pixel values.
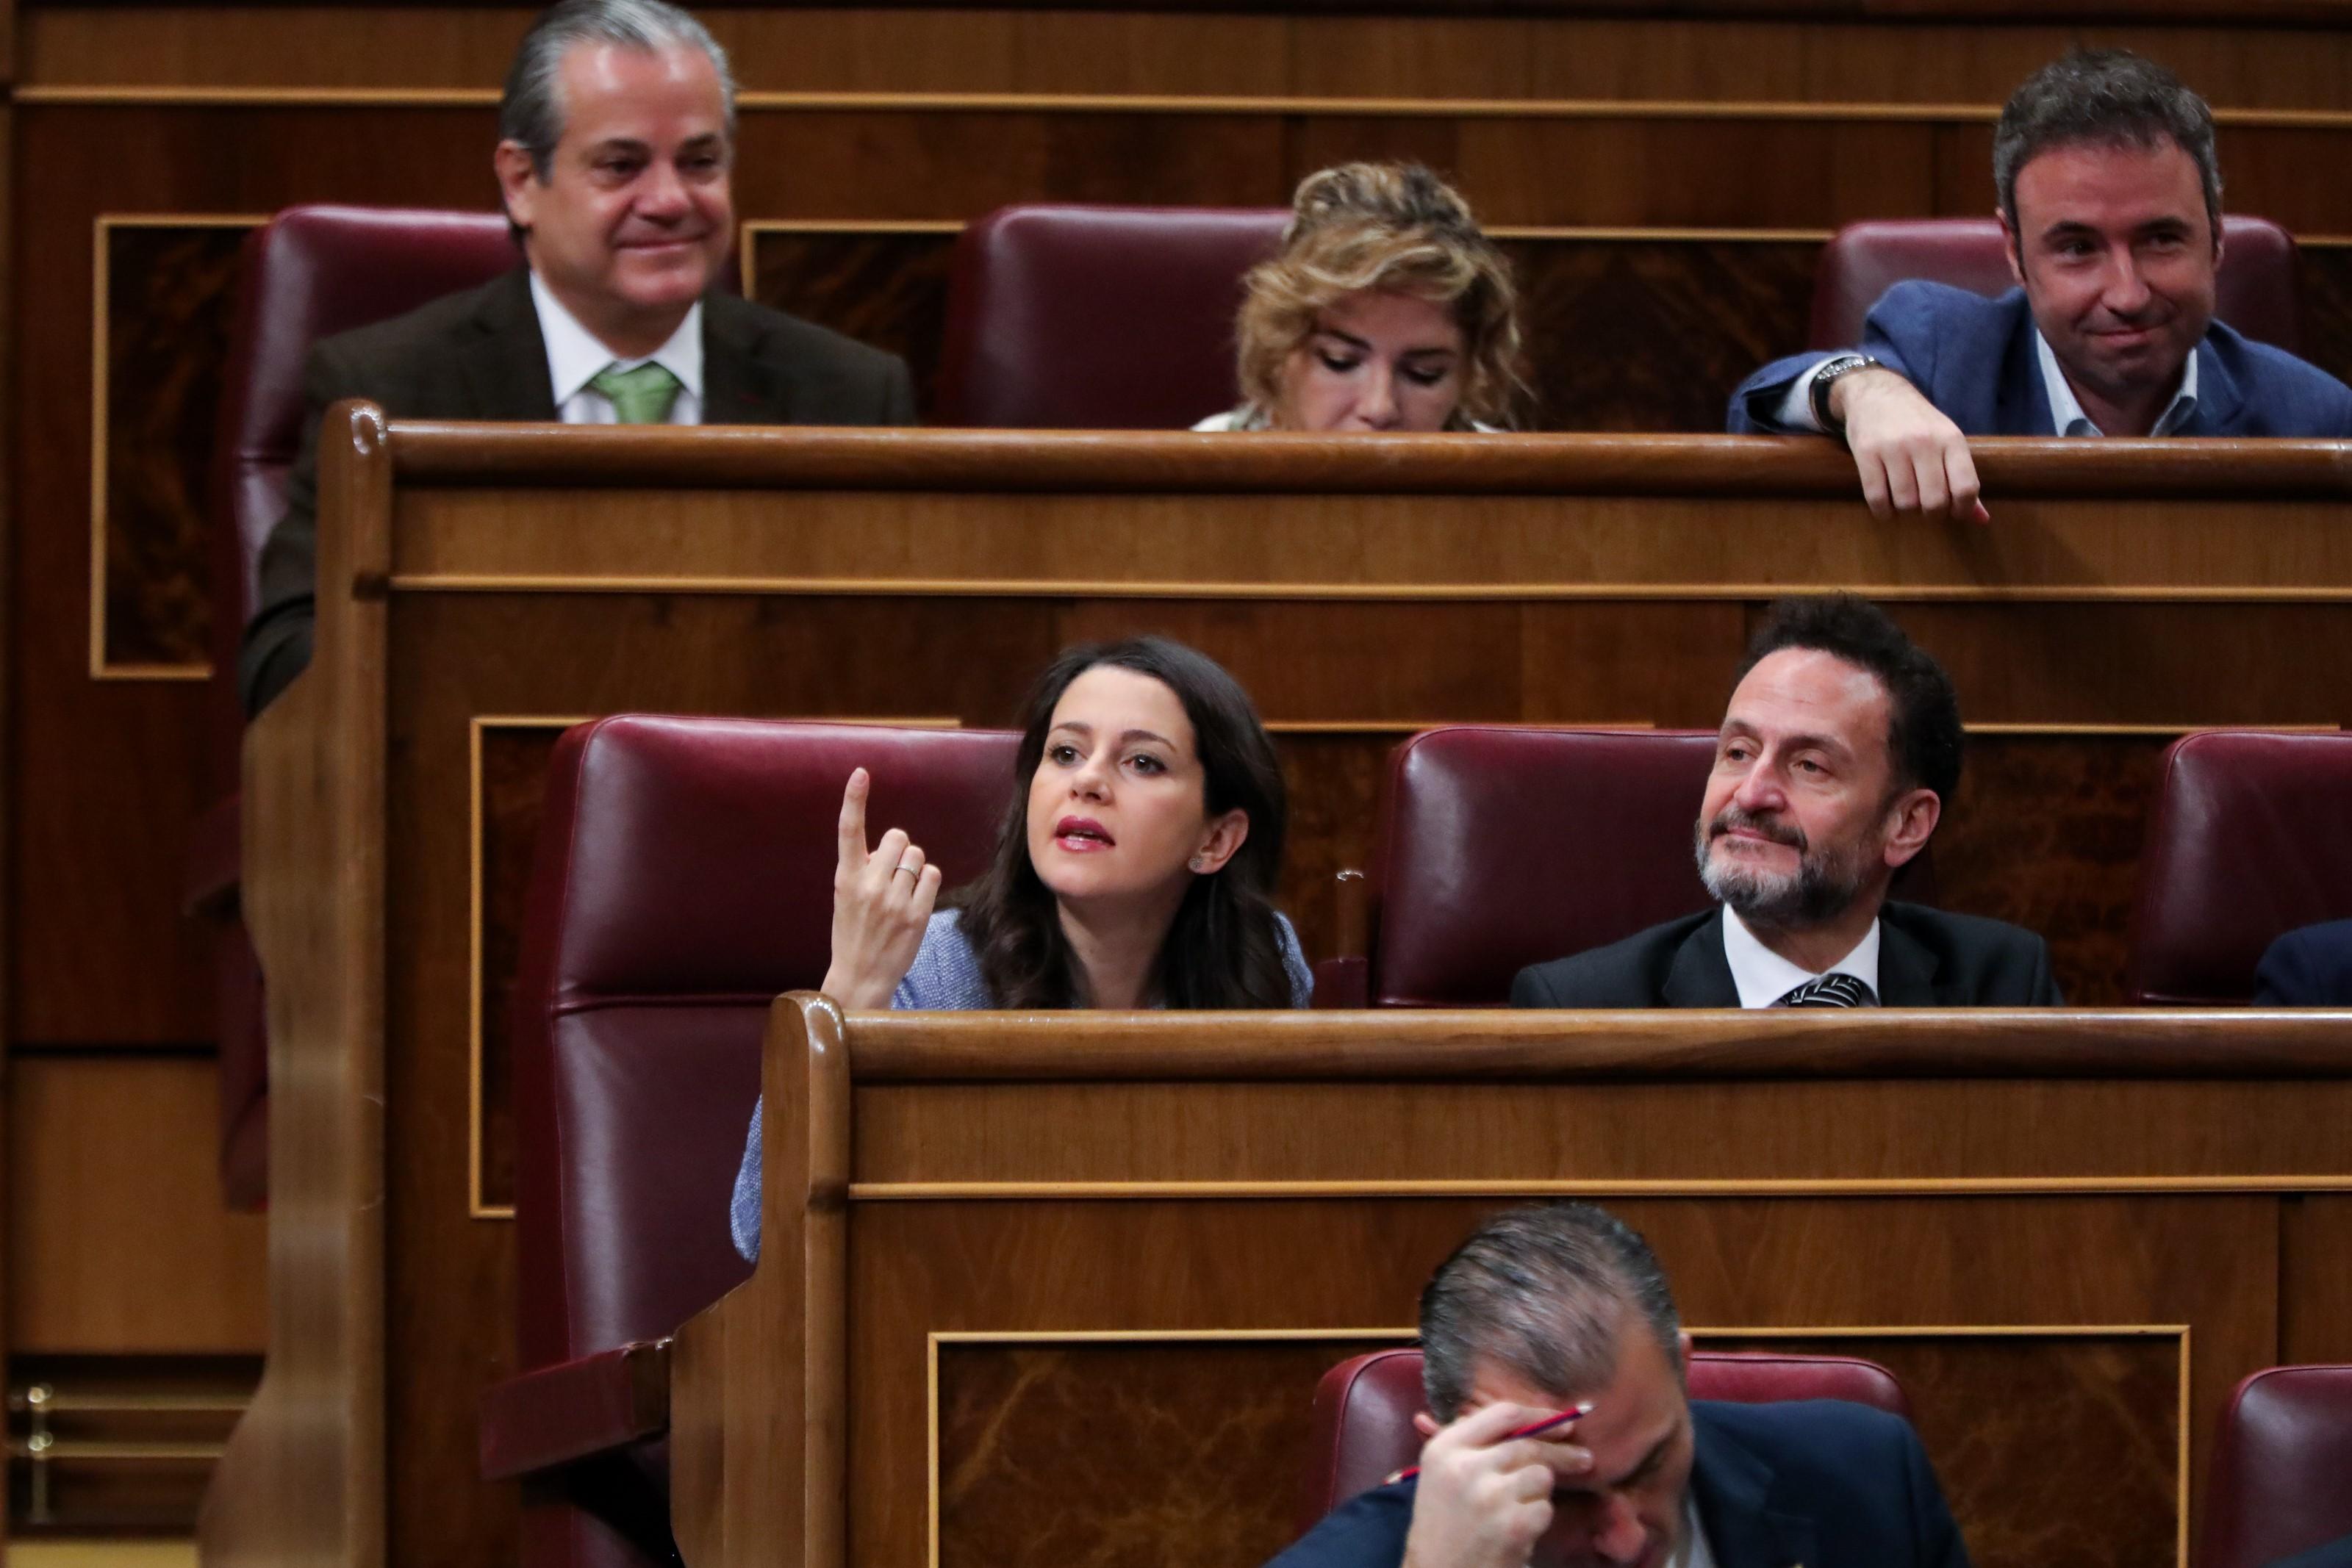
(1840, 744)
(1560, 1307)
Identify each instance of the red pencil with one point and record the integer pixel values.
(1531, 1430)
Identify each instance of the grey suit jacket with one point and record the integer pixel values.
(478, 355)
(1927, 958)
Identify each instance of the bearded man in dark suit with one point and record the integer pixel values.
(1840, 744)
(615, 156)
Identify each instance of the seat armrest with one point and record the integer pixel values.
(575, 1410)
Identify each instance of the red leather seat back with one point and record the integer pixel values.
(2250, 837)
(1087, 317)
(682, 880)
(2278, 1482)
(2259, 289)
(1503, 847)
(1364, 1408)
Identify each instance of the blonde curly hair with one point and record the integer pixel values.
(1389, 226)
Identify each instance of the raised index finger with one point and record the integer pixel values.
(853, 820)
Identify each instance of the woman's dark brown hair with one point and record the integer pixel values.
(1225, 949)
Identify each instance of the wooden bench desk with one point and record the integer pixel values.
(483, 587)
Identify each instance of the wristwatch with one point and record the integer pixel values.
(1827, 377)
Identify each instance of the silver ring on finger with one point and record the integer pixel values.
(902, 871)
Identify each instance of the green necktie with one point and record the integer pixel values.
(641, 396)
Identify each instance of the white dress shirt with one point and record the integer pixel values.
(574, 357)
(1764, 976)
(2066, 415)
(1696, 1553)
(2066, 409)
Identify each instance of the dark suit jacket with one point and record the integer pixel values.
(2336, 1554)
(478, 355)
(2308, 968)
(1926, 959)
(1820, 1483)
(1974, 359)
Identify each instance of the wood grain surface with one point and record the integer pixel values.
(1004, 1173)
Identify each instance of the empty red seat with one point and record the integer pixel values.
(2260, 290)
(1500, 847)
(683, 881)
(1087, 317)
(1364, 1408)
(2250, 836)
(2278, 1482)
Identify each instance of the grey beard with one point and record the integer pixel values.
(1820, 890)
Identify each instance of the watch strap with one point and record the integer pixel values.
(1828, 376)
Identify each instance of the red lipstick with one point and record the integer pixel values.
(1082, 835)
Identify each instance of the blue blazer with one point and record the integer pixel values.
(1820, 1483)
(2308, 968)
(1974, 359)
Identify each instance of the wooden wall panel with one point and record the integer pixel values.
(2316, 1302)
(2051, 1447)
(171, 291)
(116, 1239)
(1991, 1383)
(886, 289)
(1913, 60)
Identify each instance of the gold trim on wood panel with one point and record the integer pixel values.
(1503, 230)
(101, 343)
(768, 101)
(1593, 1186)
(2181, 1401)
(2148, 730)
(1720, 1330)
(2177, 1332)
(1015, 588)
(475, 1207)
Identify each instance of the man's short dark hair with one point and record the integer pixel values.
(1542, 1291)
(1923, 728)
(2103, 98)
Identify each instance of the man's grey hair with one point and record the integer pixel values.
(1544, 1292)
(2103, 98)
(532, 113)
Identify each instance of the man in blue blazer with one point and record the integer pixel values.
(2110, 204)
(2310, 967)
(1561, 1311)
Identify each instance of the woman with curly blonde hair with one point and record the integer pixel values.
(1386, 308)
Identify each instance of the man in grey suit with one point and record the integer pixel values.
(1840, 744)
(615, 155)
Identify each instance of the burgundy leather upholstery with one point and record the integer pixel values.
(2259, 290)
(2249, 840)
(683, 881)
(1364, 1408)
(1502, 847)
(308, 274)
(2278, 1482)
(1098, 318)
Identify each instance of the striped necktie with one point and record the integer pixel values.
(639, 396)
(1832, 990)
